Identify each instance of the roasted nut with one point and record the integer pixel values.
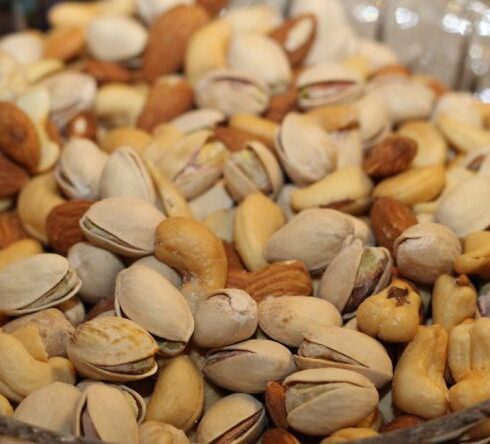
(476, 256)
(275, 401)
(349, 434)
(18, 250)
(264, 130)
(153, 432)
(401, 422)
(278, 436)
(12, 177)
(125, 136)
(11, 229)
(461, 135)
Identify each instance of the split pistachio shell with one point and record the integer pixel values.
(74, 310)
(318, 235)
(462, 136)
(122, 225)
(232, 92)
(196, 120)
(348, 189)
(97, 268)
(252, 170)
(261, 57)
(355, 274)
(466, 208)
(374, 120)
(328, 83)
(256, 220)
(248, 366)
(115, 38)
(35, 283)
(460, 106)
(305, 150)
(113, 349)
(234, 419)
(227, 316)
(336, 347)
(215, 199)
(425, 251)
(125, 174)
(61, 399)
(103, 413)
(287, 318)
(321, 401)
(80, 168)
(155, 432)
(150, 300)
(178, 396)
(161, 268)
(477, 161)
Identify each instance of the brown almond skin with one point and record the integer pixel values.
(389, 219)
(11, 229)
(235, 139)
(105, 72)
(281, 34)
(53, 132)
(278, 436)
(18, 137)
(214, 7)
(82, 125)
(282, 104)
(164, 103)
(234, 260)
(64, 43)
(168, 38)
(391, 156)
(275, 402)
(12, 177)
(401, 422)
(62, 224)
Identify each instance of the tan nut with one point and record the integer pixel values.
(476, 255)
(19, 250)
(349, 434)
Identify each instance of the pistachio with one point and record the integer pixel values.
(287, 318)
(349, 434)
(214, 200)
(113, 349)
(235, 418)
(323, 400)
(147, 298)
(136, 138)
(425, 251)
(154, 432)
(374, 121)
(161, 268)
(122, 225)
(13, 81)
(462, 136)
(225, 317)
(200, 119)
(248, 366)
(26, 47)
(336, 347)
(257, 127)
(5, 408)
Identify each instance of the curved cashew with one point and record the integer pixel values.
(194, 251)
(5, 407)
(418, 383)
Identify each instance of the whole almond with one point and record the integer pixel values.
(214, 7)
(165, 101)
(234, 138)
(167, 42)
(389, 219)
(275, 401)
(62, 225)
(234, 261)
(18, 136)
(282, 104)
(296, 37)
(278, 436)
(11, 229)
(401, 422)
(106, 72)
(280, 279)
(391, 156)
(12, 177)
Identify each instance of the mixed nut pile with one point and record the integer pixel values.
(236, 228)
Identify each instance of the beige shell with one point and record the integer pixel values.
(232, 92)
(227, 316)
(113, 349)
(79, 169)
(462, 136)
(73, 310)
(103, 413)
(125, 175)
(215, 199)
(155, 432)
(254, 169)
(161, 268)
(147, 298)
(321, 401)
(122, 225)
(460, 106)
(305, 150)
(254, 19)
(336, 347)
(375, 123)
(25, 46)
(36, 283)
(230, 413)
(313, 236)
(199, 119)
(13, 81)
(328, 83)
(285, 319)
(248, 366)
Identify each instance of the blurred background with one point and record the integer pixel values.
(446, 38)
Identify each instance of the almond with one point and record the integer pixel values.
(389, 219)
(401, 422)
(280, 279)
(82, 125)
(234, 138)
(64, 43)
(62, 224)
(296, 37)
(234, 260)
(11, 229)
(165, 101)
(282, 104)
(53, 134)
(12, 177)
(18, 136)
(106, 72)
(275, 401)
(390, 157)
(167, 42)
(278, 436)
(214, 7)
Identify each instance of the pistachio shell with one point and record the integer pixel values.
(123, 225)
(285, 319)
(248, 366)
(154, 432)
(463, 137)
(460, 106)
(161, 268)
(26, 47)
(374, 120)
(215, 199)
(150, 300)
(35, 283)
(191, 121)
(335, 347)
(113, 349)
(13, 81)
(255, 19)
(5, 408)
